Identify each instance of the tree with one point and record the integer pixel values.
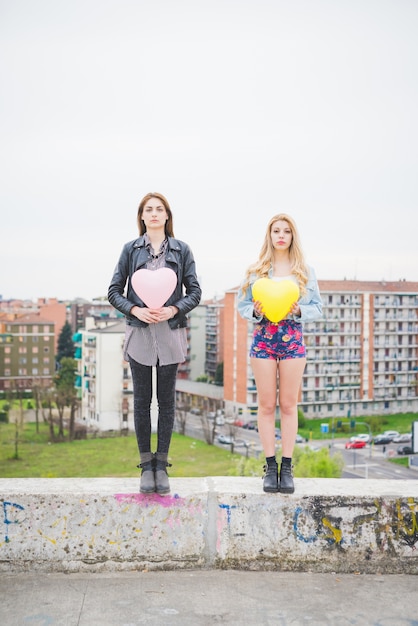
(65, 343)
(219, 374)
(65, 391)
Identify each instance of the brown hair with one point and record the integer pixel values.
(169, 223)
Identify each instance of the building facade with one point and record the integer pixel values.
(214, 336)
(362, 357)
(104, 380)
(27, 352)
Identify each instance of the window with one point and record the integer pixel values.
(46, 349)
(34, 371)
(35, 350)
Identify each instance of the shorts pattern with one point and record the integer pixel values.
(278, 341)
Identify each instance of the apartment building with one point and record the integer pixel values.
(104, 380)
(214, 312)
(197, 342)
(27, 351)
(99, 313)
(47, 308)
(362, 357)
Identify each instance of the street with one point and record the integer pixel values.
(369, 462)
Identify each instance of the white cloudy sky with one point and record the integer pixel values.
(233, 109)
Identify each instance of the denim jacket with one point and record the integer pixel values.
(310, 304)
(134, 256)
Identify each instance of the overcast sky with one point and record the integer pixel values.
(233, 109)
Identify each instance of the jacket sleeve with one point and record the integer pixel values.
(193, 291)
(310, 304)
(117, 285)
(245, 305)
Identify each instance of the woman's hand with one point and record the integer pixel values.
(295, 309)
(258, 308)
(153, 316)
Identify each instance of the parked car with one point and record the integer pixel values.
(357, 443)
(299, 439)
(225, 439)
(277, 433)
(382, 440)
(195, 411)
(362, 436)
(386, 437)
(405, 438)
(405, 449)
(251, 425)
(391, 433)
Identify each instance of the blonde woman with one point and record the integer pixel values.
(278, 352)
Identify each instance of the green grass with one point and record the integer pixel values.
(401, 422)
(118, 456)
(111, 456)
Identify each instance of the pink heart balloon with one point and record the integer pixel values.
(154, 287)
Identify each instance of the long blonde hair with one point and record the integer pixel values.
(261, 267)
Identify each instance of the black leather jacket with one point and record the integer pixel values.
(135, 256)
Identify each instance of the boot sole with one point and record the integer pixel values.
(287, 490)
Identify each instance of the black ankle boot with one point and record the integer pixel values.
(162, 486)
(270, 479)
(286, 479)
(147, 483)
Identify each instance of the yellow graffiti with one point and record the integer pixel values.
(402, 523)
(62, 520)
(45, 537)
(336, 532)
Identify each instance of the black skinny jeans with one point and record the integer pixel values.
(166, 398)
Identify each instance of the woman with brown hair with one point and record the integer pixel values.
(155, 335)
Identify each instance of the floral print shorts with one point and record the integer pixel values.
(278, 341)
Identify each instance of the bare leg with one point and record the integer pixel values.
(265, 374)
(290, 378)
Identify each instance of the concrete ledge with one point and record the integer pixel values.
(99, 524)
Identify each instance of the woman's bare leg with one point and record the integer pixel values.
(290, 378)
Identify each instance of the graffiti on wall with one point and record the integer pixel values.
(331, 523)
(340, 525)
(12, 514)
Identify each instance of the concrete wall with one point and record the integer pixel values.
(328, 525)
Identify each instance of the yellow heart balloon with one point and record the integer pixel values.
(276, 297)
